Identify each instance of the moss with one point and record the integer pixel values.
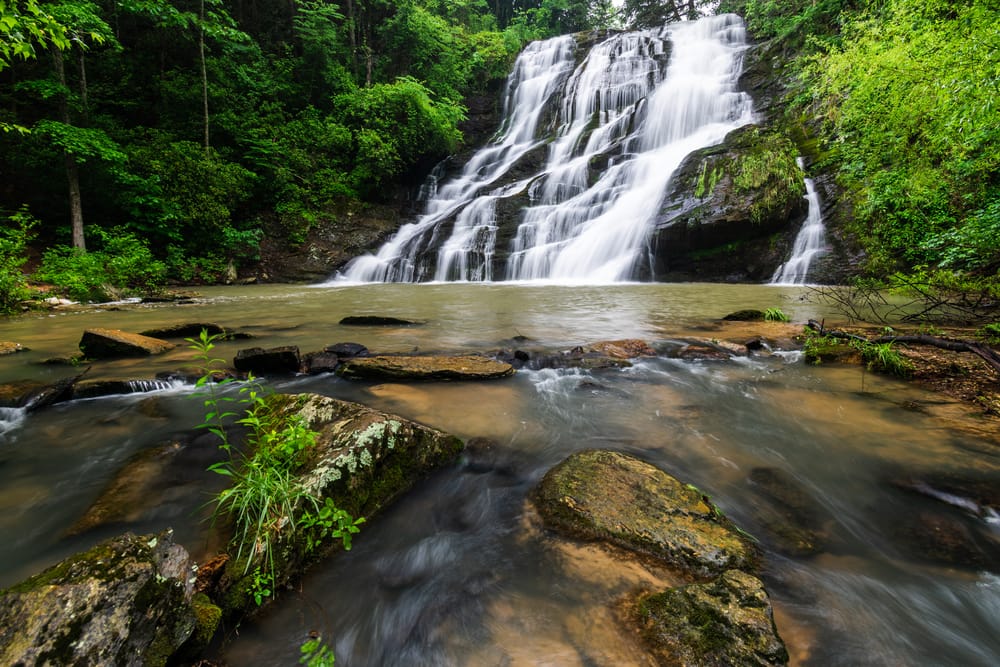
(768, 168)
(207, 616)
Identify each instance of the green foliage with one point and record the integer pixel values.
(121, 265)
(768, 169)
(265, 500)
(990, 333)
(883, 358)
(15, 234)
(25, 24)
(315, 653)
(775, 315)
(909, 104)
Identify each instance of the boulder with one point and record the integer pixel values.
(273, 361)
(347, 350)
(127, 601)
(628, 348)
(609, 496)
(363, 459)
(404, 368)
(319, 362)
(747, 315)
(113, 343)
(725, 622)
(187, 330)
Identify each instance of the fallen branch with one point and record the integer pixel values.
(987, 354)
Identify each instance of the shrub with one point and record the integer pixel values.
(14, 236)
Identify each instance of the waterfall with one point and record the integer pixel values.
(622, 122)
(808, 243)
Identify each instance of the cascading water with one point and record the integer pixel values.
(808, 243)
(625, 120)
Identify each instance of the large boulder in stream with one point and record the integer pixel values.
(403, 368)
(613, 497)
(114, 343)
(724, 622)
(127, 601)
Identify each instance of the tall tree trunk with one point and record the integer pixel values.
(83, 88)
(204, 70)
(72, 169)
(352, 37)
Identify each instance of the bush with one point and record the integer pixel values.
(123, 265)
(14, 236)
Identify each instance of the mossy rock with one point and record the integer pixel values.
(725, 622)
(124, 602)
(604, 495)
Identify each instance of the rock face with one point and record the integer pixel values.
(610, 496)
(732, 210)
(113, 343)
(725, 622)
(424, 368)
(124, 602)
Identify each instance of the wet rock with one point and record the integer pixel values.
(15, 394)
(748, 315)
(709, 349)
(282, 360)
(604, 495)
(315, 363)
(725, 622)
(405, 368)
(628, 348)
(187, 330)
(153, 482)
(114, 343)
(6, 347)
(829, 350)
(347, 350)
(124, 602)
(363, 460)
(376, 321)
(793, 520)
(939, 537)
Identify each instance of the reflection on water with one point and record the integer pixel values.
(458, 572)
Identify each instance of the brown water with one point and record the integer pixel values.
(458, 573)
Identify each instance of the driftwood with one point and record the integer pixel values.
(986, 353)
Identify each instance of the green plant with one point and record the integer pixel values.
(775, 315)
(14, 237)
(260, 586)
(266, 501)
(882, 357)
(990, 333)
(315, 653)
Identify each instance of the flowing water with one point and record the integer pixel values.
(638, 103)
(457, 572)
(809, 243)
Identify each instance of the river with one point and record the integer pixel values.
(455, 573)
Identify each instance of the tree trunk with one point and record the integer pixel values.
(204, 70)
(72, 169)
(83, 88)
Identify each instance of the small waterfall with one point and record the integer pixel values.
(10, 419)
(623, 120)
(809, 242)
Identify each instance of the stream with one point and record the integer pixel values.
(457, 572)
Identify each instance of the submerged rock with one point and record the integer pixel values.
(376, 321)
(186, 330)
(725, 622)
(114, 343)
(424, 368)
(604, 495)
(792, 519)
(127, 601)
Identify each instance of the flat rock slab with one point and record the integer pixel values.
(609, 496)
(124, 602)
(377, 321)
(627, 348)
(424, 368)
(7, 347)
(728, 621)
(114, 343)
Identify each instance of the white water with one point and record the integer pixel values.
(619, 104)
(809, 242)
